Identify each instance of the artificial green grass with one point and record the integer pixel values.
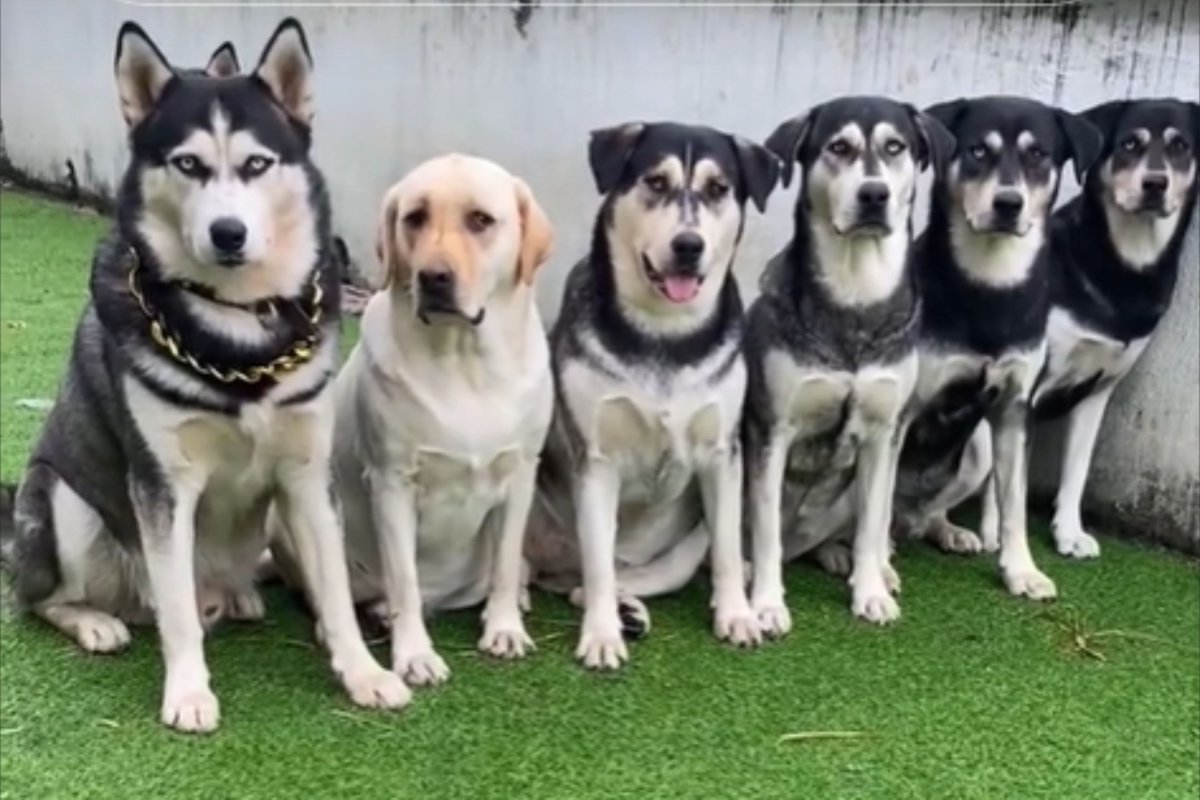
(972, 695)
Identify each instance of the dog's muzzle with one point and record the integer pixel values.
(436, 295)
(871, 215)
(228, 237)
(1154, 194)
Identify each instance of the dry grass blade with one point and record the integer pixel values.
(810, 736)
(11, 731)
(107, 723)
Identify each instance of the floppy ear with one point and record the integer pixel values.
(1084, 141)
(385, 241)
(759, 168)
(286, 68)
(1195, 109)
(948, 112)
(936, 144)
(223, 63)
(1106, 116)
(788, 140)
(537, 235)
(142, 73)
(608, 153)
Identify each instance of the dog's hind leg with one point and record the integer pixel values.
(974, 470)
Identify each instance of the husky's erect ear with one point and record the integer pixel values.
(789, 139)
(223, 63)
(142, 73)
(935, 143)
(609, 150)
(1084, 141)
(385, 241)
(537, 234)
(286, 68)
(759, 168)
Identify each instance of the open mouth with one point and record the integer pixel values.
(677, 287)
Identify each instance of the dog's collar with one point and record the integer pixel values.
(299, 352)
(262, 308)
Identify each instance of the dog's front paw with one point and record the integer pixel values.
(774, 619)
(191, 710)
(891, 579)
(737, 624)
(835, 558)
(375, 687)
(871, 600)
(1029, 582)
(97, 632)
(421, 668)
(245, 605)
(956, 539)
(506, 640)
(1077, 544)
(601, 646)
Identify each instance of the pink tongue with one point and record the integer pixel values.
(681, 288)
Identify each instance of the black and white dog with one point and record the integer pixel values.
(196, 390)
(985, 291)
(831, 349)
(1116, 258)
(643, 457)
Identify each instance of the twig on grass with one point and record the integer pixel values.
(11, 731)
(107, 723)
(809, 736)
(1084, 642)
(359, 719)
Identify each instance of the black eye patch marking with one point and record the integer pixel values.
(254, 166)
(191, 167)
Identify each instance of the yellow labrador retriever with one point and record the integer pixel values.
(443, 407)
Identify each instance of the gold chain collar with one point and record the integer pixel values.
(299, 353)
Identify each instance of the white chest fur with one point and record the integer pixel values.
(1076, 354)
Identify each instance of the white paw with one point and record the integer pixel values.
(990, 542)
(1031, 583)
(601, 646)
(956, 539)
(375, 687)
(245, 605)
(891, 579)
(737, 624)
(1077, 545)
(835, 558)
(506, 640)
(97, 632)
(876, 606)
(774, 619)
(191, 711)
(421, 668)
(524, 601)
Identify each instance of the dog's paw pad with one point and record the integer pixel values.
(1080, 545)
(378, 688)
(878, 608)
(196, 711)
(423, 669)
(1030, 583)
(774, 620)
(507, 642)
(602, 650)
(97, 632)
(635, 618)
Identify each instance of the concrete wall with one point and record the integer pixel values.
(523, 86)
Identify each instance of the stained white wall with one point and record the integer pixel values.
(395, 85)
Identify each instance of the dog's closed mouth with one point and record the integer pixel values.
(426, 310)
(677, 287)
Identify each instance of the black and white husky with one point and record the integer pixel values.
(196, 392)
(831, 350)
(1116, 258)
(642, 468)
(984, 268)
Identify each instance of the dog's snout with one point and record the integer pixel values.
(228, 234)
(1008, 204)
(873, 195)
(436, 282)
(687, 247)
(1155, 184)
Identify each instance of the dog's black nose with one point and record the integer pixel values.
(1155, 184)
(873, 195)
(438, 283)
(687, 247)
(1008, 205)
(228, 234)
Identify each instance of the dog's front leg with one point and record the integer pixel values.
(873, 485)
(504, 633)
(167, 521)
(734, 620)
(315, 539)
(598, 491)
(394, 509)
(1082, 427)
(1021, 576)
(767, 459)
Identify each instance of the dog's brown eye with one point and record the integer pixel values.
(839, 148)
(255, 166)
(416, 218)
(716, 190)
(188, 165)
(656, 183)
(1131, 144)
(480, 221)
(894, 147)
(1036, 153)
(1177, 146)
